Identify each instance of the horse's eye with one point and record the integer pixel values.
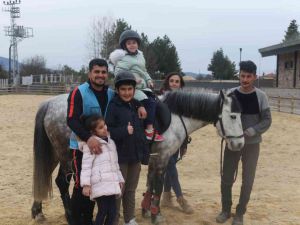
(233, 117)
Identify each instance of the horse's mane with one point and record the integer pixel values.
(194, 104)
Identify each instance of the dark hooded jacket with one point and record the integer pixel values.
(131, 148)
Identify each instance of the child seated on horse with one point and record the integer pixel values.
(100, 176)
(130, 58)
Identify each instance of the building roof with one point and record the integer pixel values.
(281, 48)
(187, 77)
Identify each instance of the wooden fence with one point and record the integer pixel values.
(285, 104)
(289, 104)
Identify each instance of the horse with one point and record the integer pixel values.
(51, 136)
(190, 111)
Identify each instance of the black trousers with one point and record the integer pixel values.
(107, 210)
(249, 156)
(82, 207)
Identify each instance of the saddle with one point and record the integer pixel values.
(163, 121)
(162, 117)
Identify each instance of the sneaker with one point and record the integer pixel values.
(149, 134)
(131, 222)
(158, 137)
(238, 220)
(222, 217)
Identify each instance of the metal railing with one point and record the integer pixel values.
(36, 89)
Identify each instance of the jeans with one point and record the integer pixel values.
(150, 106)
(171, 177)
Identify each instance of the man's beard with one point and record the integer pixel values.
(97, 84)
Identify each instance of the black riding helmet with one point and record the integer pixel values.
(124, 77)
(126, 35)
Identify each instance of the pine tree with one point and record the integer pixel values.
(292, 32)
(111, 37)
(150, 57)
(160, 55)
(221, 66)
(166, 55)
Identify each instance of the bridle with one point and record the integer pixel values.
(219, 119)
(224, 136)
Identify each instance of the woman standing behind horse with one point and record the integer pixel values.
(174, 82)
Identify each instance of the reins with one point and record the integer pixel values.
(221, 164)
(187, 138)
(224, 136)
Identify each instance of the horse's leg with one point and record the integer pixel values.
(36, 211)
(146, 202)
(63, 182)
(158, 182)
(155, 180)
(37, 208)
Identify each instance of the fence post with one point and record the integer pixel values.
(292, 105)
(278, 104)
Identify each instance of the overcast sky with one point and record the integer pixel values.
(197, 28)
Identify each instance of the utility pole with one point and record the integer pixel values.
(241, 54)
(16, 34)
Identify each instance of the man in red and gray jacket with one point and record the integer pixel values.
(91, 97)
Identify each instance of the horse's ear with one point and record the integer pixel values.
(222, 94)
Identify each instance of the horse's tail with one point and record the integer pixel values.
(43, 158)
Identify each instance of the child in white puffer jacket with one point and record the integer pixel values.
(130, 58)
(100, 176)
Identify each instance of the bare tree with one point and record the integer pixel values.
(98, 27)
(33, 66)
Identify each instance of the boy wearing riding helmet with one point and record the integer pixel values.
(126, 129)
(130, 58)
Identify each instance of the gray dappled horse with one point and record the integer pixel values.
(196, 108)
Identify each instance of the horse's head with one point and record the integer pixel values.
(229, 123)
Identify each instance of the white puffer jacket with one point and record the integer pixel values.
(102, 171)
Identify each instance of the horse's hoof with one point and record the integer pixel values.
(40, 218)
(146, 213)
(157, 219)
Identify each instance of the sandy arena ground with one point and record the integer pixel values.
(275, 198)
